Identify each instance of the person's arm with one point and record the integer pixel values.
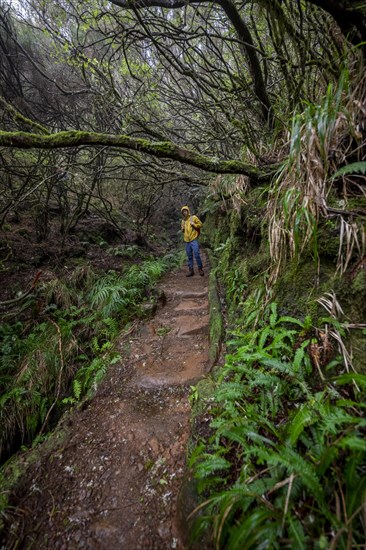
(196, 222)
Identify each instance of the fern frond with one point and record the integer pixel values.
(230, 391)
(259, 525)
(265, 380)
(273, 316)
(296, 532)
(301, 358)
(287, 369)
(211, 464)
(245, 436)
(304, 417)
(353, 442)
(76, 387)
(353, 168)
(296, 464)
(348, 378)
(279, 344)
(288, 319)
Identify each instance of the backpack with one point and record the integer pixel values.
(198, 229)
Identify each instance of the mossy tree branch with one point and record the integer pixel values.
(19, 116)
(160, 149)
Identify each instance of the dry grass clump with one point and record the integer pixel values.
(231, 190)
(323, 138)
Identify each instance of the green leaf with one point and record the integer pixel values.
(353, 168)
(302, 418)
(348, 378)
(296, 532)
(296, 464)
(258, 530)
(288, 319)
(210, 464)
(76, 387)
(353, 442)
(273, 316)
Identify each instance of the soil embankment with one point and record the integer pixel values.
(112, 479)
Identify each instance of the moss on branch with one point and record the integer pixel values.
(161, 149)
(19, 116)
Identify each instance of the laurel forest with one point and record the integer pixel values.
(113, 115)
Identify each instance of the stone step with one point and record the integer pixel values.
(192, 305)
(189, 294)
(188, 325)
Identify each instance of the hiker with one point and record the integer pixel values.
(191, 226)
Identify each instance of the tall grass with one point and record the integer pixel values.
(322, 138)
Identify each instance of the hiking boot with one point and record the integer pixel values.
(201, 271)
(190, 273)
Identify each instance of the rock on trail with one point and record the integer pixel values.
(112, 479)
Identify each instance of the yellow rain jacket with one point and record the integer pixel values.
(190, 226)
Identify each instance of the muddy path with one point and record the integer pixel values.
(112, 479)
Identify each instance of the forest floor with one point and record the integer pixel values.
(110, 477)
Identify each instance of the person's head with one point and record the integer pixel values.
(185, 212)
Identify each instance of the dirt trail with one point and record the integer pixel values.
(113, 481)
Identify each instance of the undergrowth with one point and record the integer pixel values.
(285, 462)
(59, 356)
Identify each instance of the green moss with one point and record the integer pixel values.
(216, 322)
(300, 285)
(351, 293)
(359, 283)
(357, 203)
(328, 240)
(258, 263)
(161, 149)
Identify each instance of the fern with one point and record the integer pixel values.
(296, 532)
(263, 336)
(348, 378)
(301, 359)
(76, 387)
(296, 464)
(210, 464)
(292, 320)
(257, 531)
(230, 391)
(263, 376)
(266, 420)
(273, 316)
(353, 442)
(304, 417)
(353, 168)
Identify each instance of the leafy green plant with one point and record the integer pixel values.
(126, 251)
(271, 473)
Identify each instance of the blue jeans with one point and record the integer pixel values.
(193, 248)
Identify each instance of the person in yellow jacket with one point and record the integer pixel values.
(191, 226)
